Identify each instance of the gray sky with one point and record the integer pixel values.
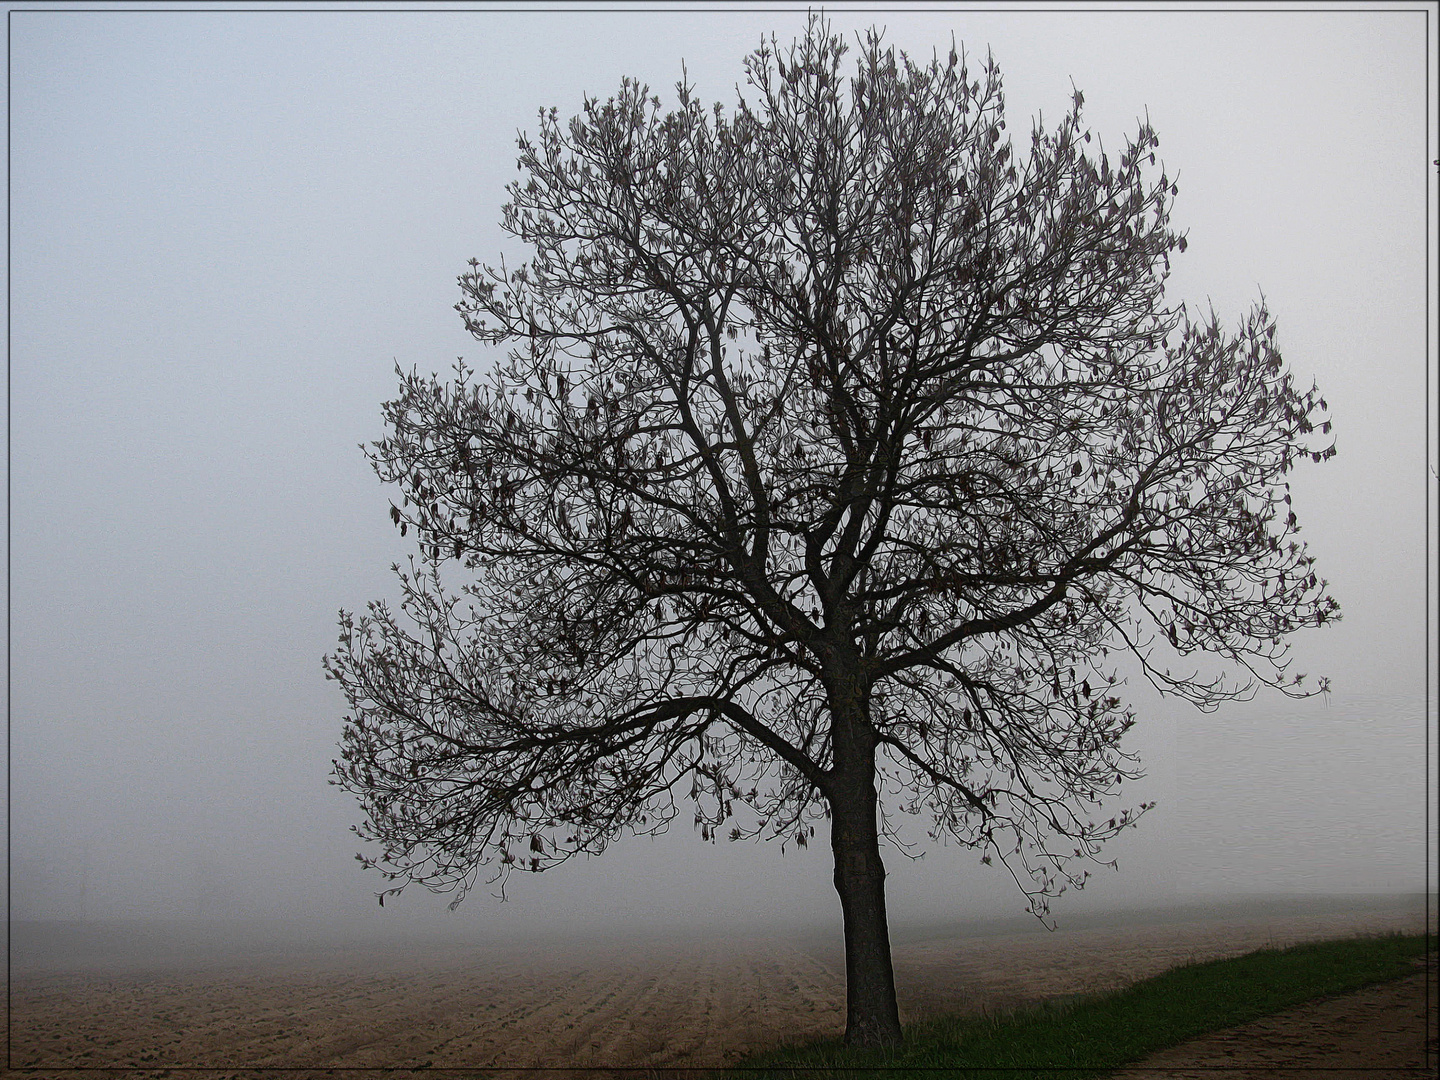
(226, 229)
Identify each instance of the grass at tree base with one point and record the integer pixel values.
(1094, 1035)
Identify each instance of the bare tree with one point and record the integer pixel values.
(839, 453)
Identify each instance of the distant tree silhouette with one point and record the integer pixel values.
(839, 450)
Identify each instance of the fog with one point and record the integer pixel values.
(226, 229)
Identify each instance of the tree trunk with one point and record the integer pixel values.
(872, 1017)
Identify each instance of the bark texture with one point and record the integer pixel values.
(872, 1016)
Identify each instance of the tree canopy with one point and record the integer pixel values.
(842, 454)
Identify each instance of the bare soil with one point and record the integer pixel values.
(651, 1004)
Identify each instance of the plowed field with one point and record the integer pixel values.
(671, 1001)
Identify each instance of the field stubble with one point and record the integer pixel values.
(648, 1003)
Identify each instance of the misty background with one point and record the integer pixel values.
(227, 228)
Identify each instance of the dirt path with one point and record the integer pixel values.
(676, 1002)
(1382, 1031)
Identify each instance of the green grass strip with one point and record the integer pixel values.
(1092, 1036)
